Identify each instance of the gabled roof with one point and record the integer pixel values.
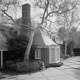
(41, 39)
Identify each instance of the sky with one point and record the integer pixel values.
(34, 12)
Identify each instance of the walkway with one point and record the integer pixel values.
(69, 71)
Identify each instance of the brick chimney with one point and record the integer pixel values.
(26, 19)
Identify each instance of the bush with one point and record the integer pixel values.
(30, 66)
(22, 66)
(13, 67)
(41, 64)
(33, 66)
(10, 65)
(17, 45)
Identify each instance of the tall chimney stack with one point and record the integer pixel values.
(26, 19)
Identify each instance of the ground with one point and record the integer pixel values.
(70, 70)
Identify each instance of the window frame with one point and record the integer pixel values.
(38, 54)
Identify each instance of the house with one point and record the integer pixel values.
(45, 49)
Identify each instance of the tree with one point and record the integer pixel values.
(66, 12)
(72, 37)
(62, 33)
(16, 45)
(77, 40)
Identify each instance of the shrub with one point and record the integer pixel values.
(30, 66)
(10, 65)
(7, 64)
(17, 45)
(13, 67)
(33, 66)
(41, 64)
(22, 66)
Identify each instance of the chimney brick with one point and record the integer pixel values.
(26, 19)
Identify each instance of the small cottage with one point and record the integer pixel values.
(45, 49)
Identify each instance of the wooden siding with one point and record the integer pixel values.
(45, 56)
(2, 41)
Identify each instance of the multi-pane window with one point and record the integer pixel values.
(38, 54)
(52, 54)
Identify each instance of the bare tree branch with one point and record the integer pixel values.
(46, 7)
(24, 25)
(59, 12)
(8, 15)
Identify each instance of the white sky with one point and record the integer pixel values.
(34, 12)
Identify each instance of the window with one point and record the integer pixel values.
(52, 55)
(58, 54)
(38, 54)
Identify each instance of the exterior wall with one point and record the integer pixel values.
(49, 55)
(45, 56)
(2, 41)
(0, 59)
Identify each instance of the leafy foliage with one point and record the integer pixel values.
(30, 66)
(62, 33)
(17, 45)
(70, 48)
(22, 67)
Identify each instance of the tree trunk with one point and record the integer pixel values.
(65, 48)
(26, 56)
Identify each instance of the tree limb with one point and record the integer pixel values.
(8, 15)
(24, 25)
(45, 11)
(58, 12)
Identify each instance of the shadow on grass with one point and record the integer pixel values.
(8, 74)
(13, 74)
